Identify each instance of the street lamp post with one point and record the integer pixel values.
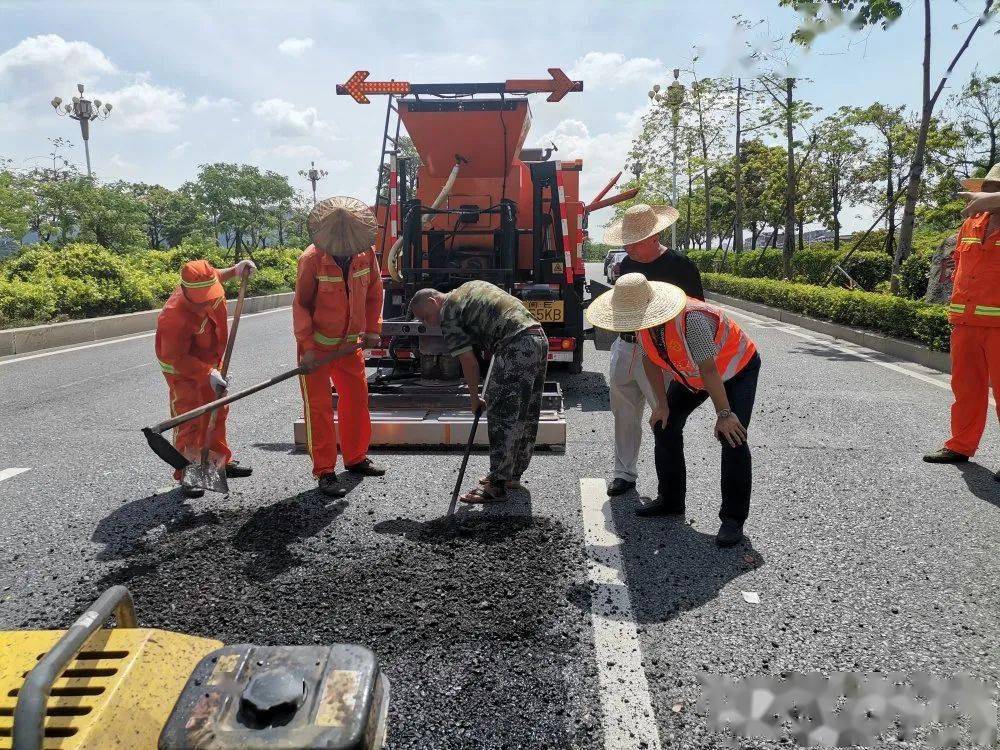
(313, 175)
(674, 98)
(84, 111)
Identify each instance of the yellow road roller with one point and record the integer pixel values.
(131, 688)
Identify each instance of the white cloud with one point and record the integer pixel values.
(203, 103)
(293, 151)
(179, 150)
(49, 59)
(146, 106)
(448, 59)
(295, 46)
(613, 69)
(284, 119)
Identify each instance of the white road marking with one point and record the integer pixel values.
(108, 342)
(101, 377)
(627, 710)
(6, 474)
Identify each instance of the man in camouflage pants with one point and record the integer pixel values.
(479, 315)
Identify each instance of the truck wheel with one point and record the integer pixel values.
(576, 366)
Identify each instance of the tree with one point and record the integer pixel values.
(978, 110)
(838, 145)
(884, 12)
(15, 207)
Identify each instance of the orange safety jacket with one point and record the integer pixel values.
(329, 310)
(189, 341)
(975, 293)
(736, 349)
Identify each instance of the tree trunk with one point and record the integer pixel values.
(738, 174)
(704, 165)
(687, 230)
(890, 196)
(789, 246)
(835, 205)
(801, 227)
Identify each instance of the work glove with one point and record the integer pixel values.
(217, 382)
(245, 267)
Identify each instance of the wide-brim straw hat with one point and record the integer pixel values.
(635, 303)
(638, 223)
(342, 226)
(975, 184)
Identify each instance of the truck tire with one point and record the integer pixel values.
(576, 366)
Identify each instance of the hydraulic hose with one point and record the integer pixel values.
(392, 260)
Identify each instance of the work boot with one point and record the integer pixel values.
(619, 486)
(946, 456)
(366, 468)
(730, 533)
(329, 485)
(236, 470)
(192, 492)
(659, 507)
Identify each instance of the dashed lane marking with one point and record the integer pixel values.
(108, 342)
(626, 707)
(6, 474)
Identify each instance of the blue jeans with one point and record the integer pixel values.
(671, 471)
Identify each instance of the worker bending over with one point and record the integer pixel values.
(479, 315)
(191, 335)
(337, 306)
(703, 354)
(974, 313)
(638, 231)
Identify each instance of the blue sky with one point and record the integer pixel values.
(254, 81)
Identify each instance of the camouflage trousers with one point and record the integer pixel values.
(514, 402)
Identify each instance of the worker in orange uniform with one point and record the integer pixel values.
(975, 316)
(338, 305)
(191, 335)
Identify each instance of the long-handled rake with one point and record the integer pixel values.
(472, 439)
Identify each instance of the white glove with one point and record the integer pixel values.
(244, 267)
(218, 382)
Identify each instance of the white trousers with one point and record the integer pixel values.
(630, 392)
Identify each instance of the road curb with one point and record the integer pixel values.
(34, 338)
(905, 350)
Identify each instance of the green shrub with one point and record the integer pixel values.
(884, 313)
(913, 275)
(23, 303)
(267, 281)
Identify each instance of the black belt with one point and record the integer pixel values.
(628, 338)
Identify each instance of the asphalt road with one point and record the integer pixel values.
(864, 558)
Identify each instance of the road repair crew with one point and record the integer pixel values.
(191, 335)
(974, 313)
(338, 304)
(480, 315)
(638, 231)
(706, 355)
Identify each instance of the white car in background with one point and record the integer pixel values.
(612, 265)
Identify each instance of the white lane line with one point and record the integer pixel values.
(860, 353)
(6, 474)
(108, 342)
(627, 710)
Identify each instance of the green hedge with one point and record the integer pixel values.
(883, 313)
(811, 265)
(42, 284)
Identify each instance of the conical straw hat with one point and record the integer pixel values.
(635, 303)
(638, 223)
(342, 226)
(975, 184)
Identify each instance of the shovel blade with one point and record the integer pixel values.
(207, 476)
(165, 450)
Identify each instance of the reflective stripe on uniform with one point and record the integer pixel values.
(167, 368)
(986, 310)
(327, 341)
(971, 241)
(956, 308)
(197, 284)
(362, 272)
(330, 279)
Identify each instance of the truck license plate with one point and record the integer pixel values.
(546, 311)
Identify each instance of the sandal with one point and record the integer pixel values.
(510, 484)
(488, 493)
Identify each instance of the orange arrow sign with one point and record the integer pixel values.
(357, 87)
(559, 86)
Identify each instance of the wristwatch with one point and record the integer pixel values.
(725, 413)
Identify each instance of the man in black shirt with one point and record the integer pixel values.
(638, 231)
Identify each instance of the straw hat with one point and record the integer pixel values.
(975, 185)
(342, 226)
(639, 222)
(635, 303)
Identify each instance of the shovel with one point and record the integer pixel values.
(165, 450)
(472, 440)
(207, 474)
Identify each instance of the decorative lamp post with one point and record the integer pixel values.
(84, 111)
(313, 175)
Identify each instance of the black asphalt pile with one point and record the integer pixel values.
(470, 618)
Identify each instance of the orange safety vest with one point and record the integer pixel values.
(329, 309)
(736, 349)
(975, 294)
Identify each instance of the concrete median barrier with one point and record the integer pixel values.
(34, 338)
